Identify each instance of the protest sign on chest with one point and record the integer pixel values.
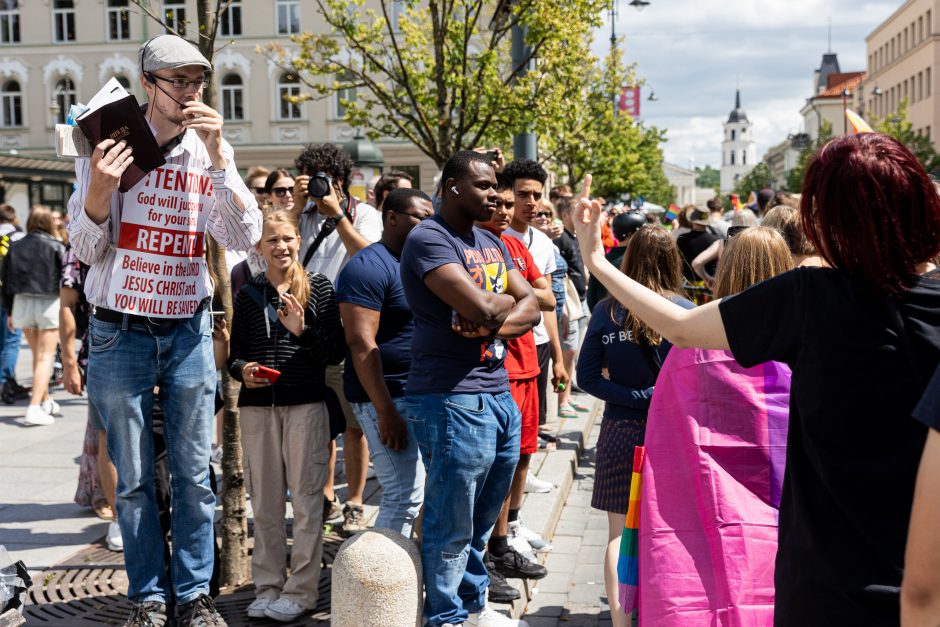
(159, 268)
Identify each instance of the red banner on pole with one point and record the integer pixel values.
(629, 101)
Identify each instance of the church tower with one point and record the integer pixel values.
(738, 150)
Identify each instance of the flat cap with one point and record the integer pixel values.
(168, 52)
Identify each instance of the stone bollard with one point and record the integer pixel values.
(376, 581)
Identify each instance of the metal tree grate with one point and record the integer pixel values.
(89, 590)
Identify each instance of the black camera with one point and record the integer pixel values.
(319, 185)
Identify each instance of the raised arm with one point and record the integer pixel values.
(920, 590)
(706, 256)
(700, 327)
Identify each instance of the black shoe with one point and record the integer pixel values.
(148, 614)
(13, 391)
(513, 564)
(500, 590)
(201, 613)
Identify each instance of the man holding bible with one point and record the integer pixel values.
(151, 325)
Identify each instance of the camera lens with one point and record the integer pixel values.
(319, 185)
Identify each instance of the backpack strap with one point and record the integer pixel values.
(269, 312)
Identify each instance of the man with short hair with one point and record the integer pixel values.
(467, 297)
(149, 329)
(379, 326)
(719, 226)
(528, 179)
(333, 229)
(396, 179)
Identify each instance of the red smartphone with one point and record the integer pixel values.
(267, 373)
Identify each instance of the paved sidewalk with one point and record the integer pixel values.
(572, 595)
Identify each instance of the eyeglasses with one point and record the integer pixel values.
(280, 191)
(734, 230)
(543, 214)
(258, 190)
(182, 83)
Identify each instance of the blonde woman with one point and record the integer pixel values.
(286, 321)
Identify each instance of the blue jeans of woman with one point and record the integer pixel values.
(125, 363)
(400, 473)
(470, 446)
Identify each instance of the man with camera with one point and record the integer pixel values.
(334, 226)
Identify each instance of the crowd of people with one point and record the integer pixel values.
(773, 362)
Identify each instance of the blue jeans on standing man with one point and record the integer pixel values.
(470, 446)
(9, 348)
(125, 362)
(400, 473)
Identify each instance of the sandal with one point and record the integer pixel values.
(567, 411)
(578, 407)
(104, 512)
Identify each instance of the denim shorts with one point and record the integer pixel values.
(36, 311)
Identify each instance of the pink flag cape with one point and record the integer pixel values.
(715, 455)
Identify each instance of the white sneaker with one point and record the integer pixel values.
(114, 538)
(536, 541)
(284, 610)
(522, 547)
(488, 617)
(534, 484)
(51, 407)
(36, 416)
(259, 606)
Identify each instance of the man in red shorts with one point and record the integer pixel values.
(522, 365)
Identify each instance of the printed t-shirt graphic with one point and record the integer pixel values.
(159, 266)
(441, 360)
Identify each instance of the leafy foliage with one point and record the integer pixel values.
(899, 127)
(757, 179)
(707, 177)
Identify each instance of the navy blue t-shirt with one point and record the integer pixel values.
(443, 361)
(371, 279)
(928, 410)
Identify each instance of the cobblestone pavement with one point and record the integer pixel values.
(572, 595)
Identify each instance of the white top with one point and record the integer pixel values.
(331, 255)
(543, 254)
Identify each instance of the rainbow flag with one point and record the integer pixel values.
(672, 212)
(751, 200)
(736, 203)
(628, 568)
(858, 124)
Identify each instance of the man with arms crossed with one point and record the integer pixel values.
(379, 327)
(131, 353)
(467, 297)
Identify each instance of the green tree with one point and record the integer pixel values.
(757, 179)
(590, 135)
(441, 77)
(796, 175)
(899, 127)
(707, 177)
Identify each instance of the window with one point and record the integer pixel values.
(732, 134)
(929, 90)
(9, 21)
(63, 20)
(233, 97)
(230, 25)
(347, 95)
(743, 157)
(119, 25)
(920, 85)
(174, 14)
(11, 105)
(288, 86)
(288, 17)
(65, 97)
(929, 28)
(732, 157)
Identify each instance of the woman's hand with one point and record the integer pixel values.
(249, 378)
(587, 225)
(293, 317)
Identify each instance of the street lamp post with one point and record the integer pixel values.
(845, 105)
(639, 5)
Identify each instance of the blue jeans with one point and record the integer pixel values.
(469, 445)
(9, 348)
(400, 473)
(125, 363)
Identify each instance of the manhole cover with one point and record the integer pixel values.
(89, 589)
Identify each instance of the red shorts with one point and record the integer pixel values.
(526, 394)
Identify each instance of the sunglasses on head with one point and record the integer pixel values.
(734, 230)
(280, 191)
(543, 214)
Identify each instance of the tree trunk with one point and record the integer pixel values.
(234, 526)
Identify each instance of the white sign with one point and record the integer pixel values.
(159, 268)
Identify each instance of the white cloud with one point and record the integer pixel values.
(694, 53)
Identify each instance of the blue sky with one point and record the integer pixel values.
(693, 53)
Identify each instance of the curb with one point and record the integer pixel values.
(542, 511)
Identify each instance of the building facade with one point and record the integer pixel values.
(54, 53)
(683, 180)
(834, 92)
(738, 149)
(902, 52)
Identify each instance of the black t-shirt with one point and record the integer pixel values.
(853, 449)
(691, 245)
(928, 409)
(568, 247)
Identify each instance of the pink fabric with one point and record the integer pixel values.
(715, 456)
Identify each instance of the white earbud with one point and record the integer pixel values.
(454, 189)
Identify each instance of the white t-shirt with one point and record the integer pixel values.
(543, 254)
(331, 256)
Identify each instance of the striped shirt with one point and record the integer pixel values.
(232, 227)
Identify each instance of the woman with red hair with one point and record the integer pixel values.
(861, 337)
